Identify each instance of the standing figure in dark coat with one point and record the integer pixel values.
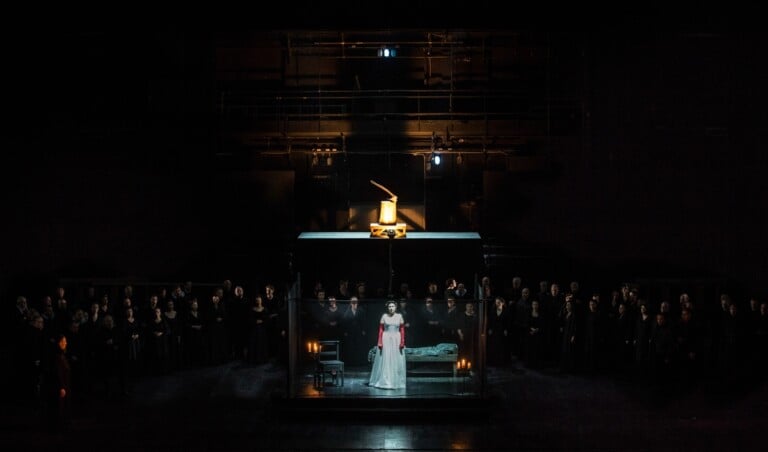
(58, 387)
(353, 323)
(468, 332)
(661, 351)
(331, 323)
(622, 338)
(451, 322)
(428, 331)
(592, 336)
(132, 345)
(239, 310)
(536, 336)
(568, 330)
(194, 327)
(689, 346)
(175, 332)
(218, 331)
(731, 345)
(108, 356)
(158, 334)
(275, 306)
(642, 338)
(498, 333)
(258, 334)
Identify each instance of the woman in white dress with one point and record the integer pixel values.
(389, 364)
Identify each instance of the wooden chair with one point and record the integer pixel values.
(328, 362)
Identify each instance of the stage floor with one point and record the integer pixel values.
(423, 384)
(236, 407)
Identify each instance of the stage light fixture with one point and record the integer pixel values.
(387, 52)
(387, 225)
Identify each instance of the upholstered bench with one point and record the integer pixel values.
(440, 353)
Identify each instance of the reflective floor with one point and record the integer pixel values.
(422, 384)
(235, 407)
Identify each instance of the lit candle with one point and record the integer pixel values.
(309, 347)
(469, 365)
(463, 363)
(315, 347)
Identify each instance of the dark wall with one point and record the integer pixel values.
(112, 168)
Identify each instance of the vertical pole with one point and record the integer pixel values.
(390, 294)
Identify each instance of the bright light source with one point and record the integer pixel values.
(436, 159)
(386, 52)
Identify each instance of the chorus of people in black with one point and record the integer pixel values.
(111, 342)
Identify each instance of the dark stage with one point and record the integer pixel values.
(236, 407)
(622, 152)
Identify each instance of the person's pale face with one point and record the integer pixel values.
(391, 308)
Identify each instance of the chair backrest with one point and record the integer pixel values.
(329, 350)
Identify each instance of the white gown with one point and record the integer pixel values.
(389, 364)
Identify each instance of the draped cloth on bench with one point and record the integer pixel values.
(439, 353)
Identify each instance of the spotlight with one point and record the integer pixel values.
(436, 159)
(386, 52)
